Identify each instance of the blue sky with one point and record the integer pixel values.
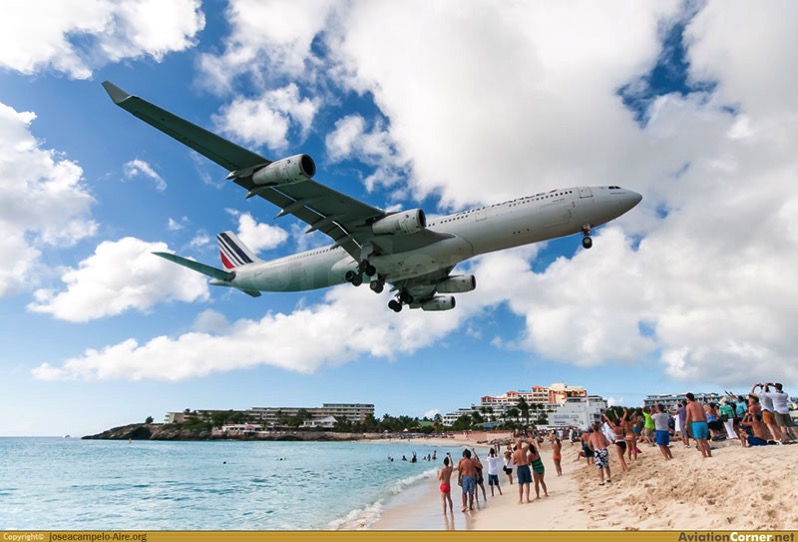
(443, 106)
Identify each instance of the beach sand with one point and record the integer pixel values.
(736, 489)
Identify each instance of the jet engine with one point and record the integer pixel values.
(286, 171)
(398, 223)
(439, 303)
(457, 284)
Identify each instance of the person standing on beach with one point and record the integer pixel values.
(662, 435)
(480, 478)
(631, 437)
(538, 470)
(445, 477)
(697, 421)
(766, 402)
(648, 425)
(681, 412)
(618, 439)
(467, 479)
(598, 443)
(522, 471)
(782, 412)
(494, 464)
(508, 463)
(556, 454)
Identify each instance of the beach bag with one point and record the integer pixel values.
(724, 418)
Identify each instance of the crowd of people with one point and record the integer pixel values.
(758, 419)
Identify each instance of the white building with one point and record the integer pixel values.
(578, 412)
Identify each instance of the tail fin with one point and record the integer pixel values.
(233, 252)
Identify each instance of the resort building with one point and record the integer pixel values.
(548, 399)
(671, 401)
(354, 412)
(276, 416)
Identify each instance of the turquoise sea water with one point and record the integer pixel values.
(63, 484)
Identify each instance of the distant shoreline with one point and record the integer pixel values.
(160, 431)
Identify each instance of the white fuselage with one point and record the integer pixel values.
(513, 223)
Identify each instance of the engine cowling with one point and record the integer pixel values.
(457, 284)
(286, 171)
(402, 222)
(439, 303)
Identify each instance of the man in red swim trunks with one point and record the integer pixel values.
(445, 476)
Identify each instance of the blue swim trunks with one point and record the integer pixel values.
(524, 474)
(700, 430)
(469, 484)
(663, 438)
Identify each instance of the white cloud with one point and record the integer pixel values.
(43, 200)
(350, 323)
(137, 167)
(257, 235)
(77, 36)
(267, 119)
(120, 276)
(268, 37)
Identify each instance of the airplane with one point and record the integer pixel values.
(416, 256)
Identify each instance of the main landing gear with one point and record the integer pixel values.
(587, 241)
(402, 298)
(365, 268)
(377, 284)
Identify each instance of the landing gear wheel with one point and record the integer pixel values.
(350, 276)
(357, 280)
(377, 286)
(370, 270)
(587, 241)
(394, 305)
(404, 297)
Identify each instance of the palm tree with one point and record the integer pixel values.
(523, 406)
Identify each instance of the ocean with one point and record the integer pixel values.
(73, 484)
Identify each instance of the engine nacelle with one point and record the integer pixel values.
(457, 284)
(439, 303)
(403, 222)
(286, 171)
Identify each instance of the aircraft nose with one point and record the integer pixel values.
(633, 198)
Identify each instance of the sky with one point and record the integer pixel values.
(441, 105)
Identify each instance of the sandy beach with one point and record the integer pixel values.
(737, 488)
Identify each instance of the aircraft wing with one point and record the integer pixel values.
(344, 219)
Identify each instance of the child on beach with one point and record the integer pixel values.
(445, 477)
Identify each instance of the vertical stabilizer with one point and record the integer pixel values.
(233, 252)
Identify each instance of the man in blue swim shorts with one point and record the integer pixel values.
(523, 473)
(467, 479)
(698, 424)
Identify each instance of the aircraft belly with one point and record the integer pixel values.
(318, 271)
(443, 254)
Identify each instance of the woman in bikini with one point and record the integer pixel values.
(538, 470)
(619, 439)
(556, 454)
(630, 436)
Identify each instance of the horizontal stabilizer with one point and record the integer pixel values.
(218, 274)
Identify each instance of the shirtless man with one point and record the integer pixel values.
(697, 421)
(522, 472)
(445, 477)
(601, 457)
(467, 479)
